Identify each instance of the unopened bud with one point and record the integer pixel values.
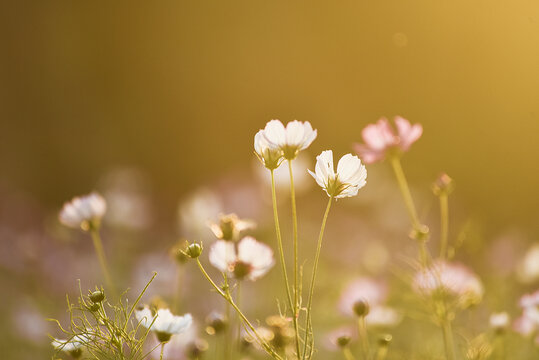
(361, 308)
(443, 185)
(94, 307)
(420, 234)
(216, 323)
(97, 296)
(194, 250)
(384, 340)
(343, 341)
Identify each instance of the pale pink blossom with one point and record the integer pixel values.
(370, 291)
(381, 316)
(528, 323)
(379, 138)
(451, 279)
(248, 259)
(499, 321)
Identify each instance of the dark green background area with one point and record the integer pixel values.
(178, 88)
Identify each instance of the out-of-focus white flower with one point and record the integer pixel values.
(178, 345)
(72, 346)
(291, 140)
(251, 259)
(528, 269)
(499, 321)
(368, 290)
(351, 174)
(84, 211)
(380, 138)
(165, 324)
(271, 157)
(195, 212)
(230, 227)
(383, 317)
(450, 279)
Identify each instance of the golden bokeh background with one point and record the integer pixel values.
(178, 89)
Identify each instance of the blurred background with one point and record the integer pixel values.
(154, 102)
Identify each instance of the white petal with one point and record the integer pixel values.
(275, 133)
(222, 254)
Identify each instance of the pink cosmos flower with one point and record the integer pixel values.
(452, 279)
(380, 137)
(528, 323)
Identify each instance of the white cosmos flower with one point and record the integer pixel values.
(383, 317)
(83, 211)
(251, 259)
(270, 157)
(499, 321)
(73, 346)
(165, 324)
(293, 138)
(351, 174)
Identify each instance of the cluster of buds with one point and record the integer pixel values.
(443, 185)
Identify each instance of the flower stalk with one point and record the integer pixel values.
(98, 245)
(308, 326)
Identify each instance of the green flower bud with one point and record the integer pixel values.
(361, 308)
(343, 341)
(194, 250)
(97, 296)
(384, 340)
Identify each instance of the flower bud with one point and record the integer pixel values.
(94, 307)
(216, 323)
(194, 250)
(361, 308)
(384, 340)
(443, 185)
(420, 234)
(343, 341)
(97, 296)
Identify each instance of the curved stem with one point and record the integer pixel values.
(444, 224)
(282, 261)
(229, 300)
(313, 278)
(348, 354)
(98, 245)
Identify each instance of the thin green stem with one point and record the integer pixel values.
(313, 278)
(381, 353)
(228, 328)
(444, 224)
(98, 245)
(238, 302)
(405, 191)
(282, 261)
(448, 340)
(229, 300)
(295, 233)
(348, 354)
(362, 332)
(409, 203)
(162, 351)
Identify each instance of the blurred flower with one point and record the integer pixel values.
(72, 346)
(350, 177)
(443, 185)
(450, 279)
(528, 323)
(380, 138)
(340, 338)
(164, 323)
(230, 227)
(195, 212)
(528, 268)
(84, 211)
(216, 323)
(383, 317)
(178, 345)
(499, 321)
(291, 140)
(270, 157)
(252, 259)
(370, 291)
(479, 348)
